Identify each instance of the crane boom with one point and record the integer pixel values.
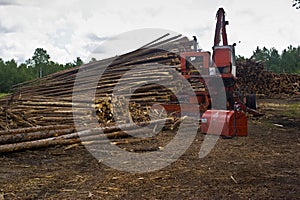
(220, 31)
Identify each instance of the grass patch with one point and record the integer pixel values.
(291, 110)
(3, 95)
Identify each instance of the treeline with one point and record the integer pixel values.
(40, 65)
(286, 62)
(37, 66)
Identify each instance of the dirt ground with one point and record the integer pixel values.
(264, 165)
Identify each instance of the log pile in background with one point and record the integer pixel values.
(253, 78)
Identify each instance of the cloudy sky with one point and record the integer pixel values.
(71, 28)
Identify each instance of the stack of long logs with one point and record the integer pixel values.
(42, 112)
(253, 78)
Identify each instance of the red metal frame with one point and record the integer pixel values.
(223, 60)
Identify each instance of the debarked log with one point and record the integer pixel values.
(72, 137)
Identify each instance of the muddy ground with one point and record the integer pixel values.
(264, 165)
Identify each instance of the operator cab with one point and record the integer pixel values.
(198, 63)
(224, 61)
(194, 63)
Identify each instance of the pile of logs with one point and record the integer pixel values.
(41, 112)
(48, 100)
(254, 79)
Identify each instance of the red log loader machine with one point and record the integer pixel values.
(204, 74)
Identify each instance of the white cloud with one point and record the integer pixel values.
(71, 28)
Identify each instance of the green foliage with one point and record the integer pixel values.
(286, 62)
(37, 66)
(296, 4)
(40, 61)
(93, 60)
(78, 61)
(7, 68)
(239, 57)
